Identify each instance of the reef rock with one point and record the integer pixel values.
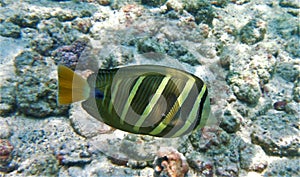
(36, 91)
(170, 162)
(246, 87)
(277, 134)
(8, 29)
(253, 32)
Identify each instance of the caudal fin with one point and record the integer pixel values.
(71, 86)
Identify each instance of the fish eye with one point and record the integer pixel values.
(98, 94)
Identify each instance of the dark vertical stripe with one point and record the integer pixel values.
(192, 117)
(166, 102)
(132, 92)
(181, 116)
(194, 125)
(201, 108)
(144, 93)
(152, 103)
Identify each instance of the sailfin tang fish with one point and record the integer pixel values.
(145, 99)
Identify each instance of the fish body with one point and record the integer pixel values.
(144, 99)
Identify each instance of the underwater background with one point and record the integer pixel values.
(247, 51)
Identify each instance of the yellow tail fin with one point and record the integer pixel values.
(71, 86)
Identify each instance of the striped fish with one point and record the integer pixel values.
(145, 99)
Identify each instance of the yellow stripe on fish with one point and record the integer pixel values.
(145, 99)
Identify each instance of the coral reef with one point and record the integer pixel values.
(36, 91)
(5, 130)
(6, 151)
(253, 32)
(246, 51)
(153, 3)
(288, 70)
(246, 87)
(284, 167)
(70, 55)
(231, 121)
(170, 162)
(8, 29)
(8, 98)
(279, 139)
(200, 164)
(41, 165)
(201, 10)
(84, 124)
